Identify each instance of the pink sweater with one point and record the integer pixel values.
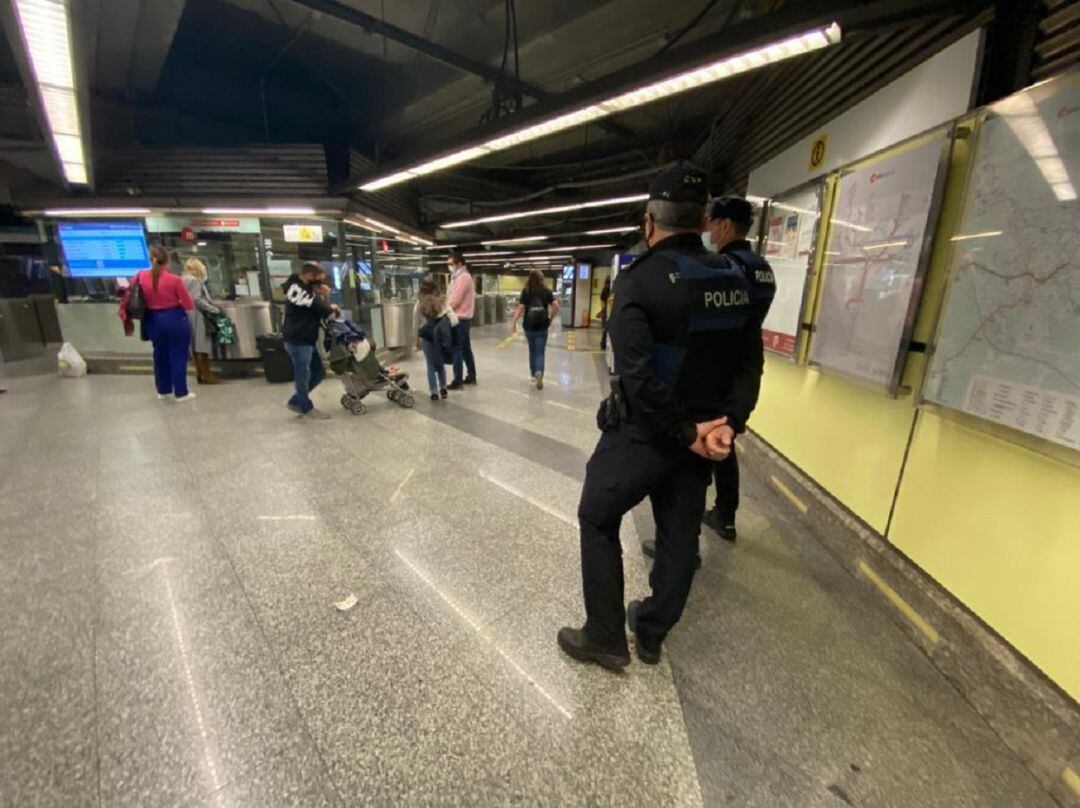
(462, 296)
(171, 292)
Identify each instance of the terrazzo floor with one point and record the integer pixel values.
(168, 575)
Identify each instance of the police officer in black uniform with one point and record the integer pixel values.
(683, 327)
(729, 223)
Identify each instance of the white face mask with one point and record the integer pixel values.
(706, 238)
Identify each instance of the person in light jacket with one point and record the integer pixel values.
(435, 336)
(194, 278)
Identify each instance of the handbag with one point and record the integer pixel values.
(136, 301)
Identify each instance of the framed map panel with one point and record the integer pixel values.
(879, 244)
(1008, 345)
(791, 231)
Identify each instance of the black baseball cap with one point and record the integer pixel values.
(680, 184)
(732, 207)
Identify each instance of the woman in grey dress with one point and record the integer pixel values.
(194, 278)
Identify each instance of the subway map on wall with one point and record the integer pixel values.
(1009, 343)
(872, 263)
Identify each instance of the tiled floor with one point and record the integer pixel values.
(168, 574)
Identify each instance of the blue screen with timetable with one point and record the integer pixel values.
(104, 249)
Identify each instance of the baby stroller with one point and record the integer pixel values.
(352, 357)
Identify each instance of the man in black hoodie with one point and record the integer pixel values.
(307, 304)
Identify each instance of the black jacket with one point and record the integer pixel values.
(304, 311)
(686, 330)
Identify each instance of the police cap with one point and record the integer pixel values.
(732, 207)
(680, 184)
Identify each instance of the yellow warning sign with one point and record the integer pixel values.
(817, 152)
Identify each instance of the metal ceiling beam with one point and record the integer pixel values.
(439, 53)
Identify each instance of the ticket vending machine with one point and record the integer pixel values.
(574, 294)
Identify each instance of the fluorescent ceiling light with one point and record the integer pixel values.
(46, 35)
(524, 214)
(969, 236)
(605, 230)
(381, 225)
(687, 80)
(522, 240)
(201, 244)
(568, 247)
(298, 211)
(97, 212)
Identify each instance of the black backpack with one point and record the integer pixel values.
(536, 314)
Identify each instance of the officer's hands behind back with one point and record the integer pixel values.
(714, 439)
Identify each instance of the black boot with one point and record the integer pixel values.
(574, 642)
(723, 526)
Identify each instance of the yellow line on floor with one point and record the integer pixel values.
(137, 368)
(902, 605)
(507, 341)
(783, 489)
(1072, 780)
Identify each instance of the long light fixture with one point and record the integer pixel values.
(61, 212)
(605, 230)
(521, 240)
(46, 32)
(270, 211)
(687, 80)
(524, 214)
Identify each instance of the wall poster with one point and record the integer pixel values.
(874, 261)
(1008, 346)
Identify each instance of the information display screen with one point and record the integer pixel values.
(874, 261)
(104, 249)
(792, 229)
(1008, 349)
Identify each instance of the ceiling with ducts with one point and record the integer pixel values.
(389, 81)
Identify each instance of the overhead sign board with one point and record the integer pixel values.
(201, 224)
(303, 233)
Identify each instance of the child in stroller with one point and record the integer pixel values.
(352, 357)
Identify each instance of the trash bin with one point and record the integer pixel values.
(277, 367)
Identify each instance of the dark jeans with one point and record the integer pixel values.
(623, 470)
(726, 478)
(308, 371)
(537, 340)
(463, 350)
(603, 328)
(436, 368)
(170, 333)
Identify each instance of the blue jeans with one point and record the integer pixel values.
(436, 368)
(170, 333)
(463, 350)
(308, 371)
(537, 344)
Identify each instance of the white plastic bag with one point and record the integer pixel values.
(69, 363)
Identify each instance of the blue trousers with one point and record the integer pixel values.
(170, 334)
(436, 368)
(537, 341)
(308, 371)
(463, 350)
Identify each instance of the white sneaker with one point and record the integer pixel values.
(316, 415)
(164, 396)
(188, 397)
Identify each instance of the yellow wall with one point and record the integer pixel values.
(998, 525)
(992, 520)
(849, 439)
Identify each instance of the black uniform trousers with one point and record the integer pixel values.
(726, 480)
(623, 470)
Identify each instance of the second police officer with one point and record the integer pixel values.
(686, 331)
(727, 228)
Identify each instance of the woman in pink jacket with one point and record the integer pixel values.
(167, 305)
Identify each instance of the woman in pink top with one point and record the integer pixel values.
(167, 305)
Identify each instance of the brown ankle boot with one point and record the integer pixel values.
(203, 373)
